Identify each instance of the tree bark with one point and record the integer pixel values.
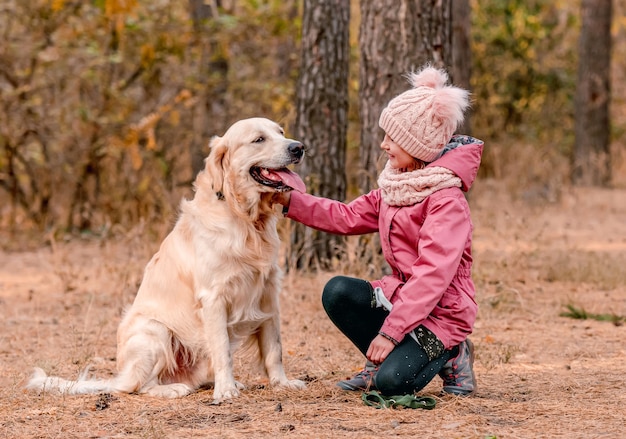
(591, 158)
(395, 37)
(321, 120)
(460, 67)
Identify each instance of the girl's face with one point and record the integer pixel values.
(398, 157)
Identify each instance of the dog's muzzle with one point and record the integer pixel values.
(296, 151)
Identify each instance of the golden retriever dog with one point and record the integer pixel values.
(214, 284)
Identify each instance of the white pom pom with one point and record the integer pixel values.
(449, 104)
(428, 77)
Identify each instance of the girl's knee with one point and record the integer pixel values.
(388, 381)
(336, 290)
(338, 284)
(400, 379)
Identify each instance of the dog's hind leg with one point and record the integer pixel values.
(144, 359)
(175, 390)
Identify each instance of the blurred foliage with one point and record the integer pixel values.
(523, 79)
(96, 102)
(97, 98)
(522, 70)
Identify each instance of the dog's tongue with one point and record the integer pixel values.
(288, 177)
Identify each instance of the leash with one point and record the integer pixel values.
(375, 399)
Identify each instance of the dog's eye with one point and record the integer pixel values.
(259, 140)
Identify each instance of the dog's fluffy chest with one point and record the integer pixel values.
(238, 270)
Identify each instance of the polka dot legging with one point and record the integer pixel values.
(407, 369)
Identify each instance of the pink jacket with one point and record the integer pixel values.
(427, 245)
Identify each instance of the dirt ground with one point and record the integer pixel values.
(540, 374)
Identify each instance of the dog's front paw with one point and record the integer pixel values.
(290, 384)
(225, 392)
(296, 384)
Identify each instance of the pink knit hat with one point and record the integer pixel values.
(422, 120)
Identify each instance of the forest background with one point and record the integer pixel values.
(100, 106)
(99, 101)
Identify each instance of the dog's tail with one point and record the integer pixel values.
(42, 382)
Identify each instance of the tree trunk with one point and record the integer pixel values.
(591, 158)
(460, 67)
(321, 120)
(396, 37)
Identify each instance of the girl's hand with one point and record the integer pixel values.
(379, 349)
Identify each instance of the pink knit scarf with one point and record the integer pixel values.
(407, 188)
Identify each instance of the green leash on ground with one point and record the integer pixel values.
(375, 399)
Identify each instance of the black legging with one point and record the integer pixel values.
(407, 369)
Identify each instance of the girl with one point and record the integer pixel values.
(411, 324)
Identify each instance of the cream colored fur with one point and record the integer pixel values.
(213, 285)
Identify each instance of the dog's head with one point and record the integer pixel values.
(249, 163)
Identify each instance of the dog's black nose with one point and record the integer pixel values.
(296, 150)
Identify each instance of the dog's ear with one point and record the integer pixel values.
(216, 162)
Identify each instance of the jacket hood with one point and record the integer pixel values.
(462, 156)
